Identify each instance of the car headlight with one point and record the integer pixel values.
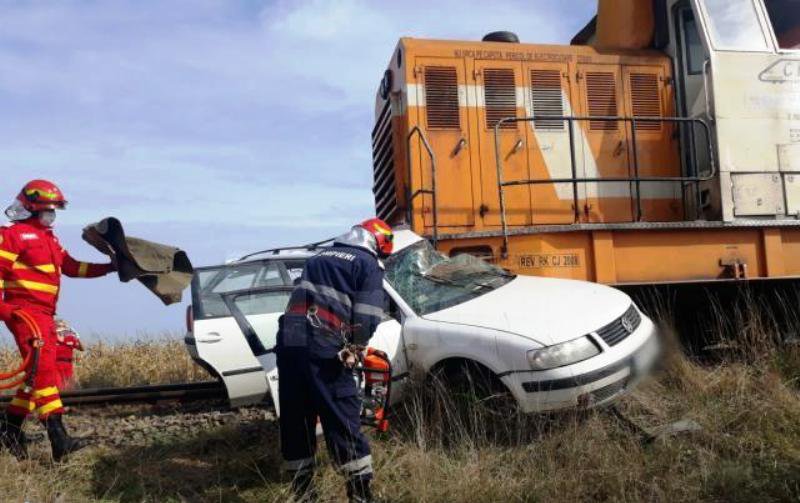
(562, 354)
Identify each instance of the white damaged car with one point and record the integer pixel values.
(553, 343)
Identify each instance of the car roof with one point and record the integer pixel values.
(403, 238)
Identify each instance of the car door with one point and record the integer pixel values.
(257, 311)
(216, 339)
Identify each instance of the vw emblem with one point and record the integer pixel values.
(627, 324)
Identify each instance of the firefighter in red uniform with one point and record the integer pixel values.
(67, 342)
(31, 263)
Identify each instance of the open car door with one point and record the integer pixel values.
(256, 311)
(222, 340)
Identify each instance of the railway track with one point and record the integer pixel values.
(184, 392)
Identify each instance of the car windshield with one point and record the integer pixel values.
(430, 281)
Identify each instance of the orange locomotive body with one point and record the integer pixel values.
(563, 161)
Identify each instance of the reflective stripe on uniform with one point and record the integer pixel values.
(8, 255)
(327, 292)
(23, 404)
(83, 268)
(50, 407)
(368, 309)
(32, 285)
(360, 466)
(48, 268)
(41, 393)
(298, 465)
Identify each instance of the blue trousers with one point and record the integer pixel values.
(324, 388)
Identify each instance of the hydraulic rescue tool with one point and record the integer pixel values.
(375, 385)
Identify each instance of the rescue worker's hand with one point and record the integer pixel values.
(348, 358)
(351, 355)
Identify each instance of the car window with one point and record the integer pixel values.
(262, 310)
(236, 278)
(270, 276)
(252, 304)
(209, 285)
(294, 268)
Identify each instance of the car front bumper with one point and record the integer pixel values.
(592, 382)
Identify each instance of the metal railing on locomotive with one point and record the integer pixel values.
(574, 180)
(432, 191)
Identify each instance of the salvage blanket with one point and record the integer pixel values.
(164, 270)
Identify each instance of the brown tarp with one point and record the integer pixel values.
(164, 270)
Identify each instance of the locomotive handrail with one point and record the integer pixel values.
(431, 191)
(574, 180)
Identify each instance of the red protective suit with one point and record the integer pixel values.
(68, 342)
(31, 263)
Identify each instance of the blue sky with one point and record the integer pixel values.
(217, 126)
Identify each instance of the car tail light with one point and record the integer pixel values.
(189, 318)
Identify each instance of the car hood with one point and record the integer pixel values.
(546, 310)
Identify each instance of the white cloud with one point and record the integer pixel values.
(209, 115)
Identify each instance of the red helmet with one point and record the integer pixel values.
(384, 237)
(39, 195)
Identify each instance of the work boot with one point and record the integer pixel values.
(12, 436)
(303, 487)
(60, 441)
(358, 490)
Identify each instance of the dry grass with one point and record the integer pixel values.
(148, 360)
(745, 399)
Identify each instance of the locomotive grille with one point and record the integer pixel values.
(383, 186)
(500, 94)
(645, 100)
(619, 329)
(601, 94)
(546, 98)
(441, 97)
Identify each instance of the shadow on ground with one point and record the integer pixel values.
(224, 464)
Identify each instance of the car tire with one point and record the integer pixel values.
(473, 385)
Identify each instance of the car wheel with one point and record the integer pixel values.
(472, 385)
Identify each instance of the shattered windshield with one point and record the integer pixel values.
(430, 281)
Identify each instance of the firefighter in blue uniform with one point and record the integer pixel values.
(331, 316)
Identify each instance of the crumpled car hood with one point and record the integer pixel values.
(546, 310)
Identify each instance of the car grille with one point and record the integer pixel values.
(608, 391)
(616, 331)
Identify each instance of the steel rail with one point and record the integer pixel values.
(189, 391)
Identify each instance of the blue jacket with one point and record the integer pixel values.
(345, 283)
